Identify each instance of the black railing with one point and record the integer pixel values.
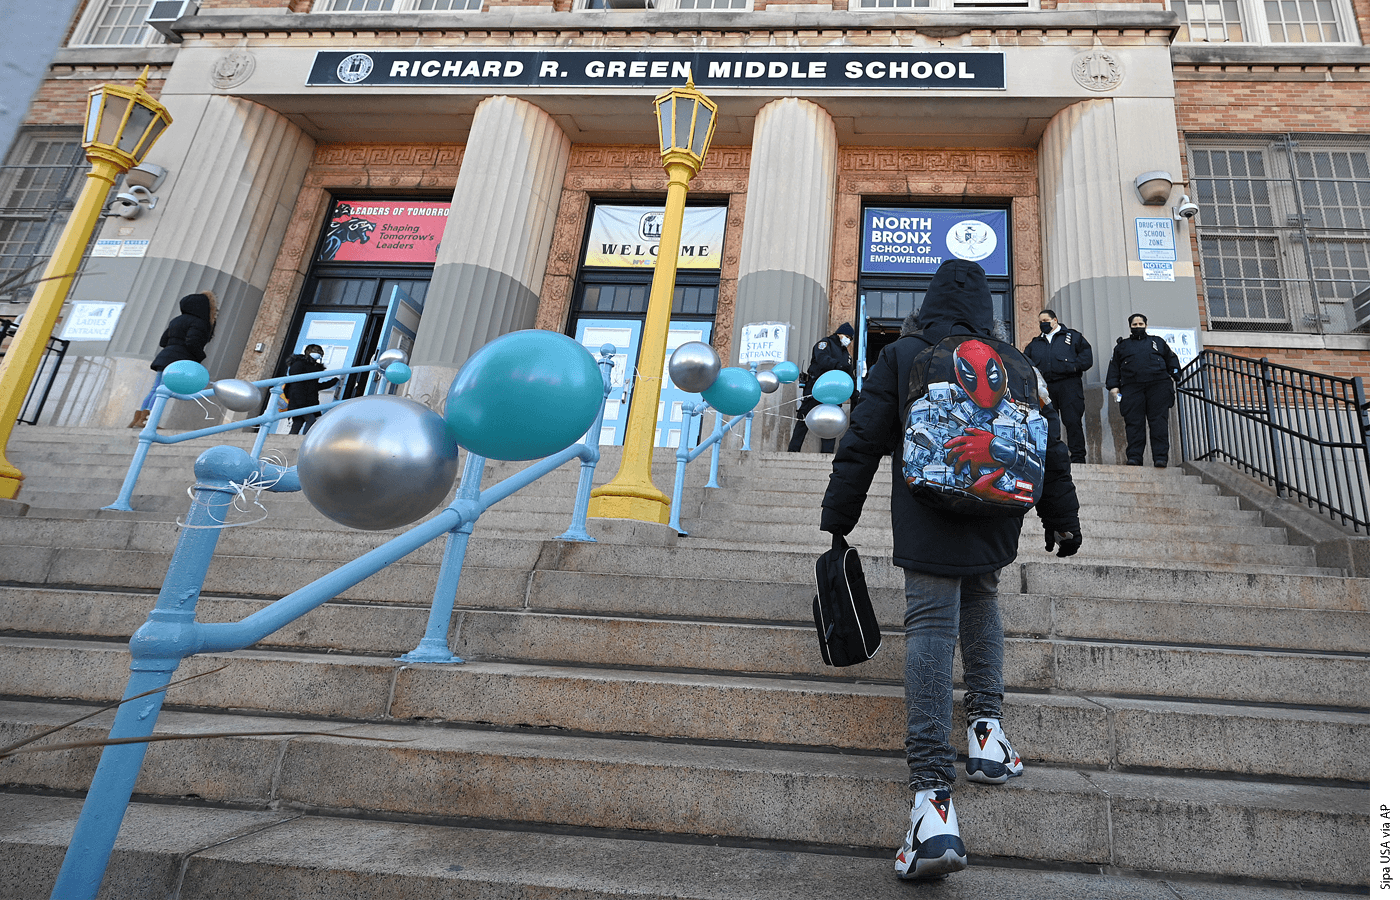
(1305, 434)
(39, 389)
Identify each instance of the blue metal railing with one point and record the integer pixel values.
(265, 422)
(171, 633)
(689, 410)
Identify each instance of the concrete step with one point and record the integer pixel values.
(204, 853)
(542, 779)
(1113, 725)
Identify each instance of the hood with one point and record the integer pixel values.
(957, 293)
(195, 305)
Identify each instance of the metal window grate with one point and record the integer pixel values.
(1284, 230)
(38, 186)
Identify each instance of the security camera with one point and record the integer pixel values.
(124, 206)
(1185, 209)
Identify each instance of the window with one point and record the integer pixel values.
(115, 23)
(1284, 230)
(1264, 21)
(683, 5)
(396, 5)
(989, 5)
(39, 183)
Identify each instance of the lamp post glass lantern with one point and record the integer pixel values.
(685, 121)
(122, 124)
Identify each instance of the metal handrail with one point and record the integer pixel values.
(54, 353)
(689, 410)
(266, 421)
(171, 633)
(1305, 434)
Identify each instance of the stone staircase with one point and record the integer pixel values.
(648, 715)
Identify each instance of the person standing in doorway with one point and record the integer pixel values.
(1063, 356)
(1141, 377)
(301, 394)
(831, 353)
(184, 338)
(952, 563)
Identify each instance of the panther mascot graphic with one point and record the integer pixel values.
(345, 227)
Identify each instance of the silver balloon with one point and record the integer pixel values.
(237, 394)
(389, 356)
(694, 366)
(827, 420)
(768, 382)
(377, 462)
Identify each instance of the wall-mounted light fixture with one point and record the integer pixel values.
(1154, 188)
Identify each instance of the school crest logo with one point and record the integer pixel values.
(971, 240)
(354, 68)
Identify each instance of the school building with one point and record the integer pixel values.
(431, 174)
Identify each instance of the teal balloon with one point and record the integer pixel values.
(786, 371)
(397, 373)
(735, 391)
(833, 387)
(524, 395)
(185, 376)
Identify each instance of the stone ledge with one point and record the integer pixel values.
(1335, 546)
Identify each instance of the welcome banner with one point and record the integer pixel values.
(630, 236)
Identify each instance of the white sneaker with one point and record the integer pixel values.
(933, 847)
(990, 757)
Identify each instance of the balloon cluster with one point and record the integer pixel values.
(734, 391)
(831, 389)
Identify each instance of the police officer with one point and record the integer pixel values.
(1063, 356)
(829, 354)
(1141, 377)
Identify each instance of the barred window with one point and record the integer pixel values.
(115, 23)
(1265, 21)
(397, 5)
(989, 5)
(1284, 230)
(39, 182)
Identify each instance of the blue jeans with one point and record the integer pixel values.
(941, 610)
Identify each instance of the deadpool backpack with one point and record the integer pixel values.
(974, 437)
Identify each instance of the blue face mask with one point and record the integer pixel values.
(315, 356)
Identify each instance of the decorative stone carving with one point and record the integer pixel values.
(1097, 70)
(234, 68)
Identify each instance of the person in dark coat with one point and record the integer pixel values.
(1141, 377)
(184, 338)
(829, 354)
(1063, 356)
(951, 566)
(301, 394)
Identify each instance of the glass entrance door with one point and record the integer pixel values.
(369, 297)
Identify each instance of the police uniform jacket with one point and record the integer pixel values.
(926, 539)
(1066, 355)
(1141, 361)
(301, 394)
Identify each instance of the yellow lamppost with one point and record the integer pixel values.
(687, 121)
(122, 124)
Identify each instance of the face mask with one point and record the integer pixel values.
(1139, 331)
(1046, 327)
(315, 356)
(845, 341)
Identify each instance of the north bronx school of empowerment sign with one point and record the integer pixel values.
(897, 70)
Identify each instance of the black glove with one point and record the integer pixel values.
(1069, 541)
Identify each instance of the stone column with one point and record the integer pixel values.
(491, 268)
(785, 258)
(1089, 158)
(235, 167)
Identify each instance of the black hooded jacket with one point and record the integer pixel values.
(925, 539)
(187, 333)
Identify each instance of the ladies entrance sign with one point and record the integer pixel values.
(890, 70)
